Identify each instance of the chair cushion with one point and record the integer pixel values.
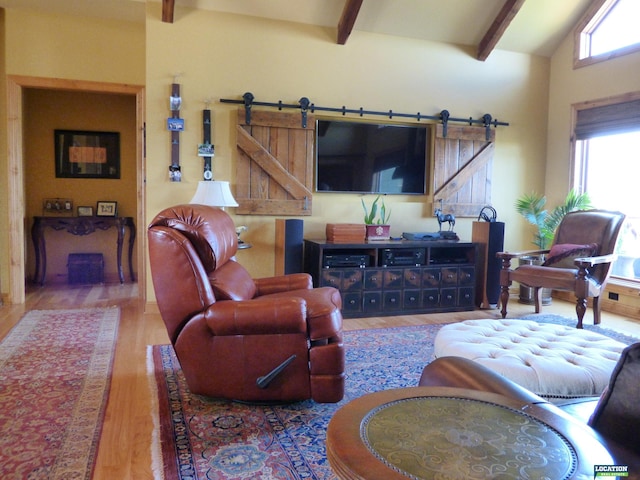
(232, 282)
(562, 255)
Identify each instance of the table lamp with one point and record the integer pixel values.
(215, 193)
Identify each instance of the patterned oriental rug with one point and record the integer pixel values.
(55, 372)
(202, 438)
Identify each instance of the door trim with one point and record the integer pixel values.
(15, 171)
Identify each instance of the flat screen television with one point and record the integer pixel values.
(360, 157)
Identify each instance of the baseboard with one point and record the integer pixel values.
(620, 299)
(151, 307)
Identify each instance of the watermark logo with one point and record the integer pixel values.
(609, 471)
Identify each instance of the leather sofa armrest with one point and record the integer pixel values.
(283, 283)
(464, 373)
(257, 317)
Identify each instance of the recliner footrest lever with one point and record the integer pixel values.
(264, 381)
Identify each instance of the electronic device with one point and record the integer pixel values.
(346, 260)
(367, 157)
(430, 236)
(402, 256)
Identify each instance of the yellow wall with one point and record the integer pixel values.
(48, 110)
(223, 56)
(568, 86)
(63, 46)
(57, 46)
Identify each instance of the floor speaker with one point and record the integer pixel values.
(289, 233)
(490, 239)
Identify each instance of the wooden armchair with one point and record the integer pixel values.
(579, 261)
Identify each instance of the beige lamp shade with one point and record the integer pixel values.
(215, 193)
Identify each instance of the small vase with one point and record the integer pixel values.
(378, 232)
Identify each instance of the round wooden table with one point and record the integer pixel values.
(444, 432)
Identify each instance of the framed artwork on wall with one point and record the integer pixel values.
(85, 154)
(85, 211)
(107, 209)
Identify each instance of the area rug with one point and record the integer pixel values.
(200, 438)
(55, 372)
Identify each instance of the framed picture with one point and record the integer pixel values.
(57, 206)
(107, 209)
(84, 154)
(85, 211)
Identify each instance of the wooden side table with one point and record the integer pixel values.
(427, 432)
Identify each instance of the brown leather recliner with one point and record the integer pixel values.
(256, 340)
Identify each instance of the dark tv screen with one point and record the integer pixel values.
(358, 157)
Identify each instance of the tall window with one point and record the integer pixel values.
(607, 167)
(607, 30)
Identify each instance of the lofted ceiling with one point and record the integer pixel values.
(527, 26)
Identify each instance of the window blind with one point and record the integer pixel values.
(608, 119)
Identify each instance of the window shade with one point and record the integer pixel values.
(608, 119)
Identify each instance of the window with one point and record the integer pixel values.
(607, 30)
(607, 167)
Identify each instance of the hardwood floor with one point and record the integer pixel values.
(125, 443)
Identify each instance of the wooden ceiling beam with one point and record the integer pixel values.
(348, 19)
(498, 27)
(168, 7)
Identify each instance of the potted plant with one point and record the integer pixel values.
(377, 223)
(531, 207)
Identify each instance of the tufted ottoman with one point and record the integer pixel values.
(552, 361)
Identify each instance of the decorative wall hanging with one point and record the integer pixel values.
(175, 125)
(305, 106)
(206, 149)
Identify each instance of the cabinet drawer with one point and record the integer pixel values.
(351, 302)
(448, 297)
(373, 279)
(449, 276)
(431, 277)
(467, 276)
(412, 278)
(372, 302)
(391, 300)
(465, 297)
(430, 297)
(331, 278)
(393, 278)
(411, 299)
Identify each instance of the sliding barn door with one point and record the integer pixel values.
(462, 169)
(275, 164)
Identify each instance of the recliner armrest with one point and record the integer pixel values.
(257, 317)
(283, 283)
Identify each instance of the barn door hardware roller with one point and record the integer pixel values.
(305, 106)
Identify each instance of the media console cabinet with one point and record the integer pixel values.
(395, 277)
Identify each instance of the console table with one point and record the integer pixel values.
(395, 277)
(81, 226)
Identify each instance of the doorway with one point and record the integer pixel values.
(16, 164)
